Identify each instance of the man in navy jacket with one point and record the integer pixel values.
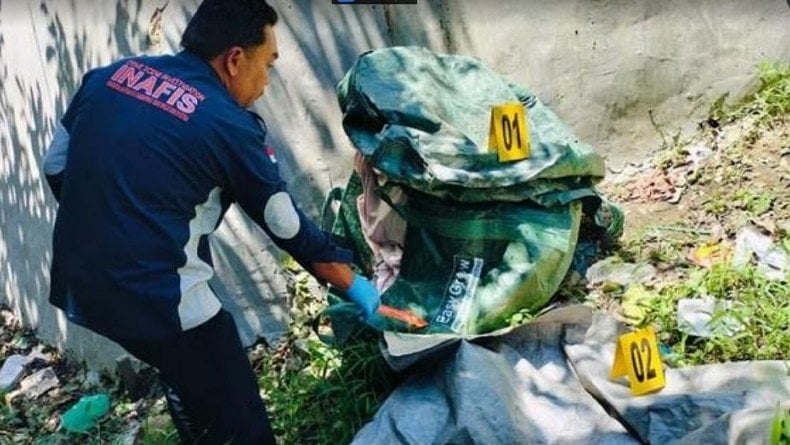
(149, 155)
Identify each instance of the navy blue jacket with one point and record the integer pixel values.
(157, 149)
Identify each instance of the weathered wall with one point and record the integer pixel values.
(602, 65)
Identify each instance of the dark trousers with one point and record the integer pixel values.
(211, 389)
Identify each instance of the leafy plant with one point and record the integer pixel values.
(780, 427)
(771, 100)
(165, 435)
(755, 204)
(327, 396)
(760, 306)
(521, 317)
(319, 393)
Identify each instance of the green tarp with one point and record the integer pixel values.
(484, 239)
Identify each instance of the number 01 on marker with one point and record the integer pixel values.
(637, 357)
(508, 134)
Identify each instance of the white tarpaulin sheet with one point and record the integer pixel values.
(548, 382)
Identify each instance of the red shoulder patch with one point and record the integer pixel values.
(270, 154)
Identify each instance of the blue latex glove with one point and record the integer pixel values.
(364, 294)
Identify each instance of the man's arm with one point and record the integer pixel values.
(358, 289)
(55, 160)
(338, 275)
(256, 185)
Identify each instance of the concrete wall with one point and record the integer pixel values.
(601, 65)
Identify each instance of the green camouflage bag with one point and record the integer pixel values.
(484, 239)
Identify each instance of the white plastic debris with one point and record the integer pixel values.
(697, 153)
(613, 270)
(14, 368)
(132, 434)
(706, 317)
(772, 261)
(37, 355)
(11, 372)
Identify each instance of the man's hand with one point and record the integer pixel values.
(364, 294)
(355, 286)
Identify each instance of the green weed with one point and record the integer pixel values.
(759, 305)
(661, 244)
(330, 396)
(770, 101)
(716, 204)
(780, 427)
(161, 435)
(318, 393)
(755, 204)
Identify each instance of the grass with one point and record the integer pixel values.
(759, 305)
(754, 204)
(770, 100)
(162, 435)
(318, 393)
(329, 396)
(780, 427)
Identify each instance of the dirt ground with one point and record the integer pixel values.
(718, 182)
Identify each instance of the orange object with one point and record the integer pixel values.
(403, 315)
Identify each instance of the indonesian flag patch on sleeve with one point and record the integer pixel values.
(270, 154)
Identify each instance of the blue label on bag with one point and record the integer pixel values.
(458, 293)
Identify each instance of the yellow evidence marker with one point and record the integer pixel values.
(637, 356)
(508, 133)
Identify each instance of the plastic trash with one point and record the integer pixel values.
(772, 260)
(11, 372)
(14, 368)
(613, 270)
(706, 317)
(83, 416)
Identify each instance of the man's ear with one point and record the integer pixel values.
(233, 60)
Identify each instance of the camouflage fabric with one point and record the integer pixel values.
(484, 239)
(423, 118)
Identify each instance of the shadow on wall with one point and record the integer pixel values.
(36, 92)
(435, 24)
(65, 39)
(339, 35)
(310, 128)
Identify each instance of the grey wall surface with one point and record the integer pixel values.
(601, 65)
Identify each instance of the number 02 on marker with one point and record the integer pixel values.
(637, 356)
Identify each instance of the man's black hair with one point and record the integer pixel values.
(222, 24)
